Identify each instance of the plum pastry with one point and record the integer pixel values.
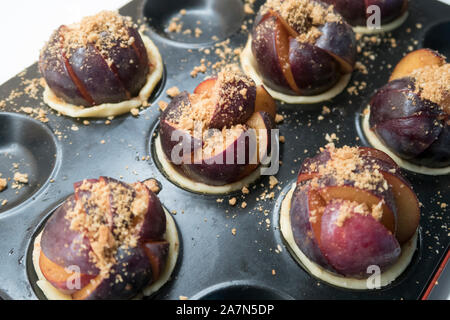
(99, 67)
(408, 118)
(351, 210)
(109, 240)
(303, 51)
(392, 13)
(214, 140)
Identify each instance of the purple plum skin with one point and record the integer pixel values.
(66, 247)
(313, 69)
(237, 109)
(136, 275)
(354, 11)
(57, 77)
(301, 227)
(214, 170)
(359, 243)
(91, 80)
(339, 40)
(265, 53)
(413, 128)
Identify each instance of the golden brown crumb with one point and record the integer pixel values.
(278, 118)
(232, 201)
(245, 190)
(233, 231)
(173, 92)
(21, 177)
(162, 105)
(134, 112)
(3, 184)
(244, 205)
(273, 182)
(282, 139)
(183, 298)
(152, 185)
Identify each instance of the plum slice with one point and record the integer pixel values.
(416, 60)
(270, 48)
(358, 242)
(305, 230)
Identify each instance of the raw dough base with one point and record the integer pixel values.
(248, 64)
(385, 27)
(376, 143)
(171, 236)
(387, 277)
(199, 187)
(113, 109)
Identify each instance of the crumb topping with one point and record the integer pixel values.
(346, 164)
(197, 117)
(433, 83)
(104, 30)
(303, 16)
(108, 214)
(348, 208)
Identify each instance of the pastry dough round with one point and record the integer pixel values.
(376, 143)
(248, 64)
(113, 109)
(385, 27)
(171, 236)
(199, 187)
(387, 276)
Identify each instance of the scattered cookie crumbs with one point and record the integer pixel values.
(162, 105)
(21, 177)
(219, 200)
(282, 139)
(232, 201)
(325, 110)
(134, 112)
(272, 182)
(3, 184)
(243, 205)
(278, 118)
(233, 231)
(173, 92)
(183, 298)
(74, 128)
(4, 202)
(248, 9)
(245, 190)
(274, 272)
(86, 122)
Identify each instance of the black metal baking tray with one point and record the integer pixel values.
(214, 263)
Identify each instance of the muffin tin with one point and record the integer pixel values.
(214, 263)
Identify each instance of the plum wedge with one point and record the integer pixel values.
(102, 59)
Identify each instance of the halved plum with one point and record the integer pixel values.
(328, 219)
(293, 65)
(234, 133)
(67, 242)
(92, 62)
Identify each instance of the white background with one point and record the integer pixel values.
(26, 24)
